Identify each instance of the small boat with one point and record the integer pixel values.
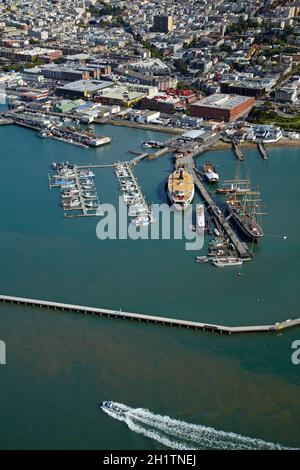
(202, 259)
(151, 144)
(228, 261)
(216, 232)
(86, 181)
(200, 217)
(89, 194)
(86, 174)
(91, 204)
(210, 173)
(73, 203)
(142, 220)
(69, 193)
(68, 185)
(111, 407)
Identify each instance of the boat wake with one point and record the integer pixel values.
(181, 435)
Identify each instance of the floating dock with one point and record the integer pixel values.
(102, 312)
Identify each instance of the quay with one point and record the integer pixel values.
(262, 150)
(6, 121)
(237, 150)
(107, 313)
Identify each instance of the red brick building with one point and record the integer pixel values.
(222, 107)
(167, 102)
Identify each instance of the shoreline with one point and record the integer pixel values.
(284, 142)
(145, 127)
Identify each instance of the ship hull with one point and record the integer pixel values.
(242, 227)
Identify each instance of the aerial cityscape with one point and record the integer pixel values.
(144, 144)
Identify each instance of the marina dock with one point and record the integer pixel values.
(133, 195)
(166, 321)
(262, 150)
(74, 197)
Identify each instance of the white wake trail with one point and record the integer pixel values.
(178, 434)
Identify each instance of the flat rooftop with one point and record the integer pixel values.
(86, 85)
(121, 93)
(222, 101)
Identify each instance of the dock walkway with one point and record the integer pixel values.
(237, 150)
(220, 220)
(262, 150)
(102, 312)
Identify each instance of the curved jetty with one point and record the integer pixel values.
(103, 312)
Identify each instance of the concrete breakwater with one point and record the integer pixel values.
(102, 312)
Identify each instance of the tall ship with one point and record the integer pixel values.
(245, 212)
(210, 173)
(200, 218)
(181, 188)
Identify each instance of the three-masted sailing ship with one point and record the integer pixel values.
(244, 206)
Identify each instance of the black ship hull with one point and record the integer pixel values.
(250, 235)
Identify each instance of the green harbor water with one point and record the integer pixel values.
(61, 365)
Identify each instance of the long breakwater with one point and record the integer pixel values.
(139, 317)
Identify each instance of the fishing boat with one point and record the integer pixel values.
(210, 173)
(181, 188)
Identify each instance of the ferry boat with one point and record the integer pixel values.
(210, 173)
(110, 406)
(200, 216)
(181, 188)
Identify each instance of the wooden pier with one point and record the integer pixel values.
(237, 150)
(166, 321)
(262, 150)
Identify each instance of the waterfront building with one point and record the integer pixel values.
(222, 107)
